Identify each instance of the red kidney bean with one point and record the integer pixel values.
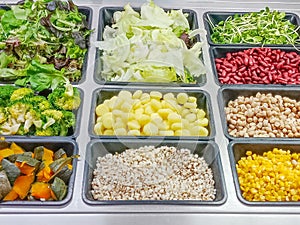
(259, 65)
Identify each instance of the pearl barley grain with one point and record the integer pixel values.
(149, 173)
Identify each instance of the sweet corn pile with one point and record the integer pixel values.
(273, 176)
(151, 114)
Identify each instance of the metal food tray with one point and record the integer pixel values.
(237, 150)
(215, 17)
(68, 145)
(232, 211)
(203, 102)
(106, 19)
(208, 150)
(220, 52)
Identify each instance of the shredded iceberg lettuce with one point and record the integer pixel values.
(147, 47)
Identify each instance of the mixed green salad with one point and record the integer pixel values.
(150, 46)
(42, 43)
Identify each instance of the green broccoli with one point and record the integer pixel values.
(58, 121)
(9, 127)
(32, 117)
(20, 93)
(3, 115)
(5, 93)
(40, 102)
(18, 109)
(49, 131)
(66, 97)
(23, 131)
(67, 122)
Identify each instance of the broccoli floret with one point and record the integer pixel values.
(3, 115)
(22, 131)
(10, 127)
(21, 93)
(17, 110)
(58, 121)
(49, 131)
(67, 122)
(66, 97)
(53, 113)
(40, 102)
(32, 117)
(5, 93)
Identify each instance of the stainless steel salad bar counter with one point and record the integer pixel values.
(229, 207)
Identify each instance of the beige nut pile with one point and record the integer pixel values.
(263, 115)
(149, 173)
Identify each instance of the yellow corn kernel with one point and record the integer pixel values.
(101, 109)
(156, 95)
(268, 177)
(182, 98)
(119, 123)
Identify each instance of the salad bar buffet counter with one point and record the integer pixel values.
(182, 112)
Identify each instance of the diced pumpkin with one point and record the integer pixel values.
(22, 185)
(5, 186)
(65, 174)
(25, 168)
(60, 153)
(12, 171)
(11, 196)
(48, 155)
(40, 190)
(43, 154)
(26, 164)
(6, 152)
(44, 174)
(16, 148)
(59, 188)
